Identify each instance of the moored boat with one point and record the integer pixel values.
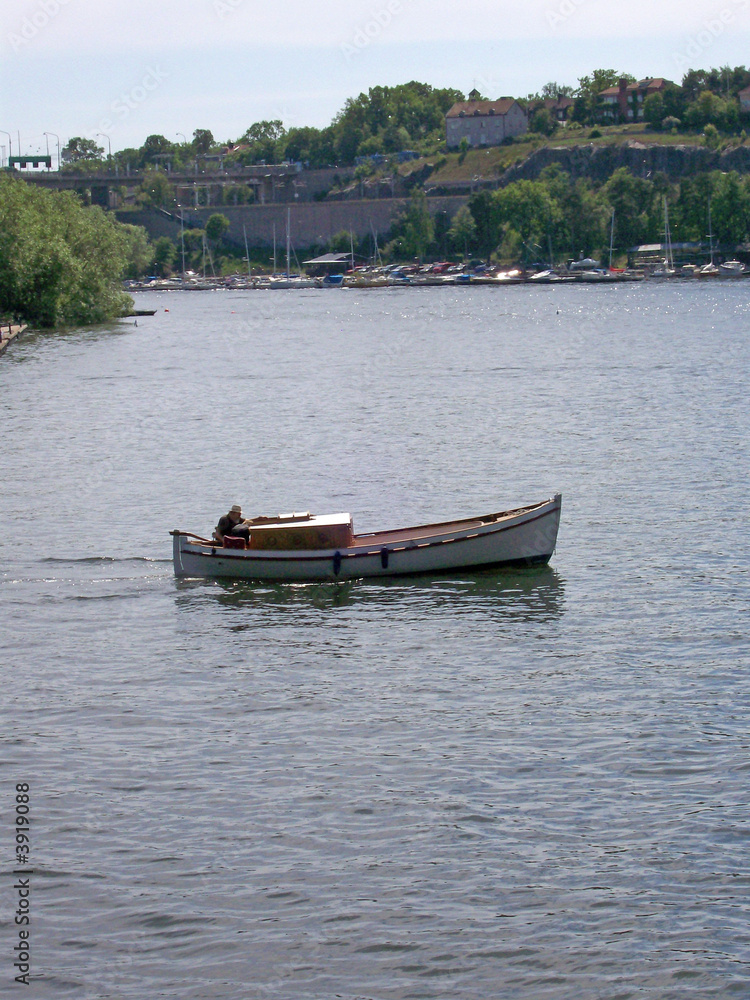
(731, 269)
(303, 547)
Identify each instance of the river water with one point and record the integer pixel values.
(524, 785)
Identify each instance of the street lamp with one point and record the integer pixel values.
(58, 146)
(109, 144)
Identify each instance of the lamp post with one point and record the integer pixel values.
(109, 144)
(10, 144)
(58, 147)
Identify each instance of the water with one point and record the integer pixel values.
(523, 785)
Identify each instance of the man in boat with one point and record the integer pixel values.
(232, 524)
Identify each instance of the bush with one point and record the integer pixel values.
(595, 133)
(671, 123)
(711, 136)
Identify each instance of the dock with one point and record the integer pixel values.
(8, 333)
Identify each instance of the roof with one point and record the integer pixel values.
(329, 258)
(466, 108)
(658, 83)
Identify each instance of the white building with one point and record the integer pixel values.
(485, 123)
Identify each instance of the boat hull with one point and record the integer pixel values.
(523, 537)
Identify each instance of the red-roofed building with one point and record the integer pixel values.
(485, 123)
(625, 101)
(559, 107)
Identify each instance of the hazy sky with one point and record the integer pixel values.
(130, 69)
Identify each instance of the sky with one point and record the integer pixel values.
(121, 70)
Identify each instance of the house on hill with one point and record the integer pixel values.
(558, 107)
(485, 123)
(625, 101)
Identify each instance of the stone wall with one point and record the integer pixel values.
(310, 223)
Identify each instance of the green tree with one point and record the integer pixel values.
(414, 232)
(61, 263)
(633, 200)
(730, 207)
(484, 211)
(529, 208)
(543, 122)
(139, 251)
(78, 148)
(155, 148)
(216, 227)
(155, 190)
(463, 230)
(654, 110)
(164, 256)
(203, 140)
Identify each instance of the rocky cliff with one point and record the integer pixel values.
(600, 162)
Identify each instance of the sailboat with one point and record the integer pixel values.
(289, 280)
(666, 269)
(709, 270)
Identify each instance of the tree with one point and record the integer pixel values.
(463, 230)
(488, 229)
(139, 251)
(543, 122)
(78, 148)
(633, 200)
(164, 255)
(529, 208)
(216, 227)
(61, 263)
(262, 140)
(415, 231)
(730, 207)
(555, 90)
(155, 189)
(203, 140)
(653, 110)
(156, 147)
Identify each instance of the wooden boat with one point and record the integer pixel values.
(305, 547)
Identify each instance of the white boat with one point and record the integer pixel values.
(303, 547)
(731, 269)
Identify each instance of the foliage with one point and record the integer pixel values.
(203, 141)
(155, 190)
(463, 230)
(78, 148)
(543, 121)
(216, 227)
(414, 232)
(139, 251)
(60, 262)
(164, 255)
